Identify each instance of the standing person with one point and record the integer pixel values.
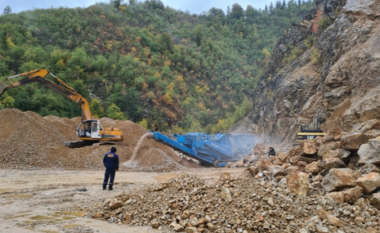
(271, 151)
(111, 162)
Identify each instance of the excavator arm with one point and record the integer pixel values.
(62, 89)
(89, 130)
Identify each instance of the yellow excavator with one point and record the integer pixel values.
(311, 131)
(90, 130)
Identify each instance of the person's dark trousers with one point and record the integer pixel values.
(109, 174)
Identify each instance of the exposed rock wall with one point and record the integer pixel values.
(338, 76)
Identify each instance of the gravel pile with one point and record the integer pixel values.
(29, 141)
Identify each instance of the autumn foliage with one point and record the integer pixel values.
(145, 62)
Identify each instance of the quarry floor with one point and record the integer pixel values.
(56, 200)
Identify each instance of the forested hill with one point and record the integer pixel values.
(166, 69)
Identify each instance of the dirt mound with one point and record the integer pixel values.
(65, 126)
(30, 141)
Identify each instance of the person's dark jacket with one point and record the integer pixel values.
(272, 152)
(111, 161)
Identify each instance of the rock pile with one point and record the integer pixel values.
(236, 204)
(331, 184)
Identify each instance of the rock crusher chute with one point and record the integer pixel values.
(215, 150)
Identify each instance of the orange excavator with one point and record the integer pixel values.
(90, 130)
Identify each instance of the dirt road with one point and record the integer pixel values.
(57, 200)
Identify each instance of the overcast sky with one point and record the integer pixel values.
(193, 6)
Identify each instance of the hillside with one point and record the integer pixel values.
(145, 62)
(326, 65)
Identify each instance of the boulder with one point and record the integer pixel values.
(354, 141)
(277, 170)
(290, 169)
(335, 133)
(369, 182)
(325, 148)
(339, 153)
(286, 165)
(332, 163)
(357, 7)
(294, 159)
(277, 161)
(309, 149)
(252, 170)
(263, 164)
(295, 152)
(313, 167)
(298, 183)
(369, 153)
(282, 156)
(350, 195)
(337, 179)
(336, 196)
(367, 125)
(375, 200)
(319, 141)
(368, 168)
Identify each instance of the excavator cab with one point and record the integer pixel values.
(308, 132)
(89, 129)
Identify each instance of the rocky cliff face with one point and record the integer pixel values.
(329, 64)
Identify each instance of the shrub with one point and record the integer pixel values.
(315, 56)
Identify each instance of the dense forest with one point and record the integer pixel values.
(142, 61)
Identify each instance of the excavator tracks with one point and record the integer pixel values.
(79, 143)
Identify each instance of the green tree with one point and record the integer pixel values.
(81, 88)
(115, 113)
(7, 10)
(144, 123)
(8, 102)
(78, 58)
(96, 108)
(198, 35)
(237, 11)
(166, 42)
(116, 3)
(3, 68)
(216, 12)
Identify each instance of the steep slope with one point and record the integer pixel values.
(336, 73)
